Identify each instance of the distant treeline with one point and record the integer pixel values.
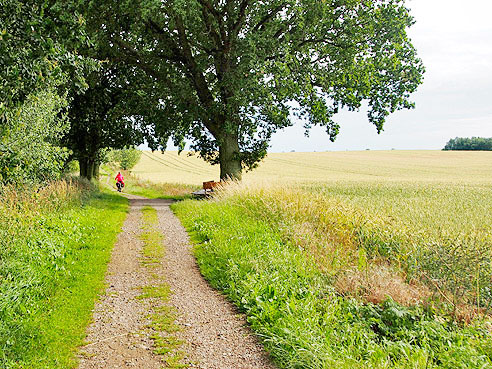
(465, 143)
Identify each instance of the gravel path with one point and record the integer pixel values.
(215, 335)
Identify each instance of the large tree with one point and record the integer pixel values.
(232, 72)
(39, 63)
(111, 113)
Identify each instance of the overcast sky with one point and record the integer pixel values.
(454, 40)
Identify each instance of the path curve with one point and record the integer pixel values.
(215, 335)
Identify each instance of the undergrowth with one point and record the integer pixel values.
(287, 259)
(55, 246)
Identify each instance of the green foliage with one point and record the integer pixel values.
(38, 40)
(232, 73)
(126, 158)
(293, 306)
(38, 60)
(474, 143)
(55, 246)
(100, 118)
(29, 141)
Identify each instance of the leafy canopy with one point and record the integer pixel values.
(111, 113)
(38, 48)
(232, 72)
(39, 63)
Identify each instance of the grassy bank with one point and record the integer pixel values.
(353, 276)
(140, 187)
(56, 243)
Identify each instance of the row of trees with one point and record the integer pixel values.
(465, 143)
(221, 74)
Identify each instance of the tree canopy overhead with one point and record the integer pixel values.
(232, 72)
(38, 49)
(39, 64)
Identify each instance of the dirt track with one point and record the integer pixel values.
(215, 335)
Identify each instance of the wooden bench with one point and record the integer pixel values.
(210, 185)
(208, 188)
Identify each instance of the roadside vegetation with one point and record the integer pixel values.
(124, 160)
(351, 275)
(56, 242)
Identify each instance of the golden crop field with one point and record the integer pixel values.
(436, 192)
(451, 167)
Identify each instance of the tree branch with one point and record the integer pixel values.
(218, 17)
(240, 19)
(196, 76)
(136, 59)
(267, 18)
(177, 55)
(210, 29)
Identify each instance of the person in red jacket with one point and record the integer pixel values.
(119, 181)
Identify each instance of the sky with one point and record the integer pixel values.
(454, 40)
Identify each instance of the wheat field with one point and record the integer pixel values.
(411, 227)
(447, 167)
(435, 192)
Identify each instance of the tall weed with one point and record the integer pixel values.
(372, 253)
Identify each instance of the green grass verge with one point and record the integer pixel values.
(294, 308)
(52, 269)
(150, 193)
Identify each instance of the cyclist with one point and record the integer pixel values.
(119, 181)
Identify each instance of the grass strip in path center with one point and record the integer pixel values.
(162, 326)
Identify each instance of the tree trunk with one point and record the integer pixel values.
(83, 167)
(95, 172)
(230, 161)
(88, 167)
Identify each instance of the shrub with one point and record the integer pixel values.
(29, 150)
